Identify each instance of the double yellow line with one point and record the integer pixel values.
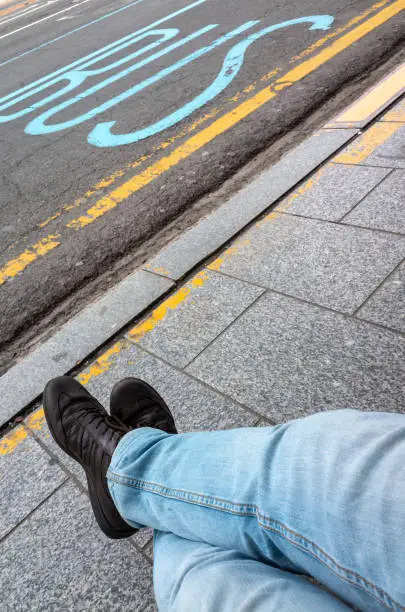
(206, 135)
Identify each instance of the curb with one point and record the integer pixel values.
(80, 337)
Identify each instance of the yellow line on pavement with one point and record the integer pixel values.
(107, 203)
(354, 21)
(36, 421)
(242, 111)
(372, 138)
(309, 184)
(369, 105)
(112, 178)
(171, 303)
(363, 146)
(9, 443)
(102, 363)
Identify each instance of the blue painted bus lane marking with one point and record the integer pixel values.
(102, 136)
(38, 126)
(94, 54)
(78, 75)
(79, 71)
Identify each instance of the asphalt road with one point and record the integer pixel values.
(95, 92)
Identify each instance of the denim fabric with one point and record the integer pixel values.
(322, 496)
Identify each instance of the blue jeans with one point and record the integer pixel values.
(243, 517)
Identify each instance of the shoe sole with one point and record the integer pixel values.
(110, 531)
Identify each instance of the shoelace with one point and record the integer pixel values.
(116, 423)
(109, 424)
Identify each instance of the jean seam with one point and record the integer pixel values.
(268, 523)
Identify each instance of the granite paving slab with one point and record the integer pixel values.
(194, 405)
(286, 359)
(384, 208)
(28, 475)
(36, 423)
(389, 154)
(387, 305)
(58, 559)
(197, 313)
(333, 191)
(333, 265)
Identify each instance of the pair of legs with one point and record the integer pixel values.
(242, 517)
(241, 514)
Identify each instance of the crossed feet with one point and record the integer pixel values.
(87, 433)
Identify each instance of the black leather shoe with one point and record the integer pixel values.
(137, 404)
(85, 431)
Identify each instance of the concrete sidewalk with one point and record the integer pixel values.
(304, 312)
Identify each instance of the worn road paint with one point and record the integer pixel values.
(33, 23)
(16, 7)
(76, 76)
(224, 123)
(114, 176)
(227, 121)
(9, 443)
(341, 30)
(36, 421)
(244, 242)
(72, 71)
(309, 184)
(102, 363)
(38, 126)
(102, 136)
(17, 265)
(374, 101)
(171, 303)
(363, 146)
(215, 265)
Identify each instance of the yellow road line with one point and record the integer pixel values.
(363, 146)
(102, 363)
(373, 101)
(374, 136)
(229, 120)
(110, 179)
(354, 21)
(36, 420)
(309, 184)
(206, 135)
(17, 265)
(219, 126)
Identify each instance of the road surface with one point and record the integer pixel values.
(116, 116)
